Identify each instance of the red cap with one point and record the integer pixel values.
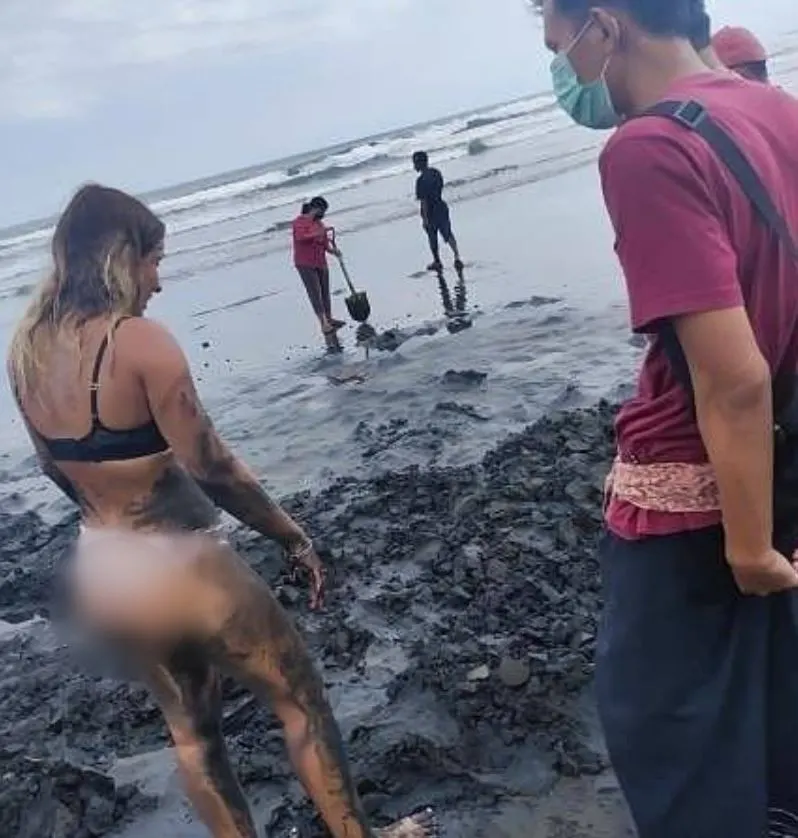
(735, 45)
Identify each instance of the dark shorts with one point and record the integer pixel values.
(698, 691)
(439, 222)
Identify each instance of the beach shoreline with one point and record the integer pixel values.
(545, 334)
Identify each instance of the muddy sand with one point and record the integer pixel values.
(457, 646)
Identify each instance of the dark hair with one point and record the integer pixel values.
(317, 203)
(305, 208)
(666, 18)
(701, 33)
(98, 215)
(755, 69)
(421, 157)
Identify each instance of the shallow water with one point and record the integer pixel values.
(545, 332)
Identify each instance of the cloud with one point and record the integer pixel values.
(58, 57)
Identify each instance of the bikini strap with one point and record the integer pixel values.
(94, 386)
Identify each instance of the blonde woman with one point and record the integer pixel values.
(109, 401)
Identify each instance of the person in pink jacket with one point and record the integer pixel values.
(311, 246)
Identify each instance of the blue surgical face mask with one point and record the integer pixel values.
(587, 104)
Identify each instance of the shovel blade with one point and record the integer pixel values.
(358, 306)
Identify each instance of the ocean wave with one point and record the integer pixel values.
(243, 201)
(455, 135)
(188, 211)
(328, 164)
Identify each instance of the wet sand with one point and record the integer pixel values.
(456, 646)
(453, 480)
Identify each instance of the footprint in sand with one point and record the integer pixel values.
(422, 825)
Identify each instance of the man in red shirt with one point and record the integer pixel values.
(697, 659)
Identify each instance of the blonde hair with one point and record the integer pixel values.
(97, 246)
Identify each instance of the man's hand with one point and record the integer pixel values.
(770, 573)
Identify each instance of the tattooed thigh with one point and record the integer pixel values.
(254, 639)
(259, 646)
(189, 691)
(257, 641)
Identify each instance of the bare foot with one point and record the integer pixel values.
(421, 825)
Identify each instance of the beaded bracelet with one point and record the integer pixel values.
(301, 552)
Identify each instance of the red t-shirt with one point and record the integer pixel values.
(689, 241)
(310, 242)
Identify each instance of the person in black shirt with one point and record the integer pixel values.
(434, 210)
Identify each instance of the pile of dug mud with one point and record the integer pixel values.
(457, 643)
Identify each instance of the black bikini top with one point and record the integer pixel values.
(102, 444)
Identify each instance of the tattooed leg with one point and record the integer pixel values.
(259, 646)
(250, 636)
(189, 692)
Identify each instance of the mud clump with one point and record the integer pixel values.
(55, 799)
(462, 379)
(457, 641)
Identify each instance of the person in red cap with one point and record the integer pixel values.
(741, 51)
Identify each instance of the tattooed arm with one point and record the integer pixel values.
(188, 429)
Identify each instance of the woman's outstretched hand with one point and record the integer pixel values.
(303, 556)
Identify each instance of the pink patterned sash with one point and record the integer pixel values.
(664, 487)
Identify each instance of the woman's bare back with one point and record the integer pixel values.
(150, 492)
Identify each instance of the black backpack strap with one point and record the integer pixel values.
(695, 117)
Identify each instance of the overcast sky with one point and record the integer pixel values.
(148, 93)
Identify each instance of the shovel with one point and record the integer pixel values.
(357, 303)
